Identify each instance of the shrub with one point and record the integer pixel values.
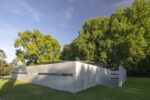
(5, 71)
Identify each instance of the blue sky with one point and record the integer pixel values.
(60, 18)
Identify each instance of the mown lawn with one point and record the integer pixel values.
(133, 89)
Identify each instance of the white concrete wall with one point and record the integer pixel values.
(104, 75)
(86, 76)
(89, 75)
(65, 83)
(122, 75)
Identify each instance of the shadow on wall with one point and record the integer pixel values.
(79, 78)
(86, 77)
(16, 71)
(67, 76)
(55, 79)
(61, 79)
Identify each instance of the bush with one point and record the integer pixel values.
(5, 71)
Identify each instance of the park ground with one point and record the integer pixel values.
(135, 88)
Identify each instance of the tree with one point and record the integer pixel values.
(86, 45)
(36, 48)
(2, 54)
(129, 32)
(123, 38)
(3, 63)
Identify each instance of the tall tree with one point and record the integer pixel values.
(122, 38)
(35, 47)
(86, 45)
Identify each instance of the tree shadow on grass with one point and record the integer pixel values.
(6, 88)
(18, 90)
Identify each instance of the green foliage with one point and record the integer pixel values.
(5, 71)
(35, 47)
(122, 38)
(85, 47)
(2, 54)
(3, 63)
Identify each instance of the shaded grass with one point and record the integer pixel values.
(134, 89)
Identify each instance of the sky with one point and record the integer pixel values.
(60, 18)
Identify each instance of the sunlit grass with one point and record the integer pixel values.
(133, 89)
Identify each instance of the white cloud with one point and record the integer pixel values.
(21, 8)
(69, 13)
(123, 3)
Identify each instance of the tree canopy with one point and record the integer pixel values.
(122, 38)
(3, 63)
(36, 48)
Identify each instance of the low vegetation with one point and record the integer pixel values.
(5, 69)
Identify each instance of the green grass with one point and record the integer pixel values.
(133, 89)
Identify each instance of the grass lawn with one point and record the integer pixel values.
(133, 89)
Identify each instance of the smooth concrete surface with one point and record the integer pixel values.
(86, 76)
(59, 82)
(82, 76)
(122, 75)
